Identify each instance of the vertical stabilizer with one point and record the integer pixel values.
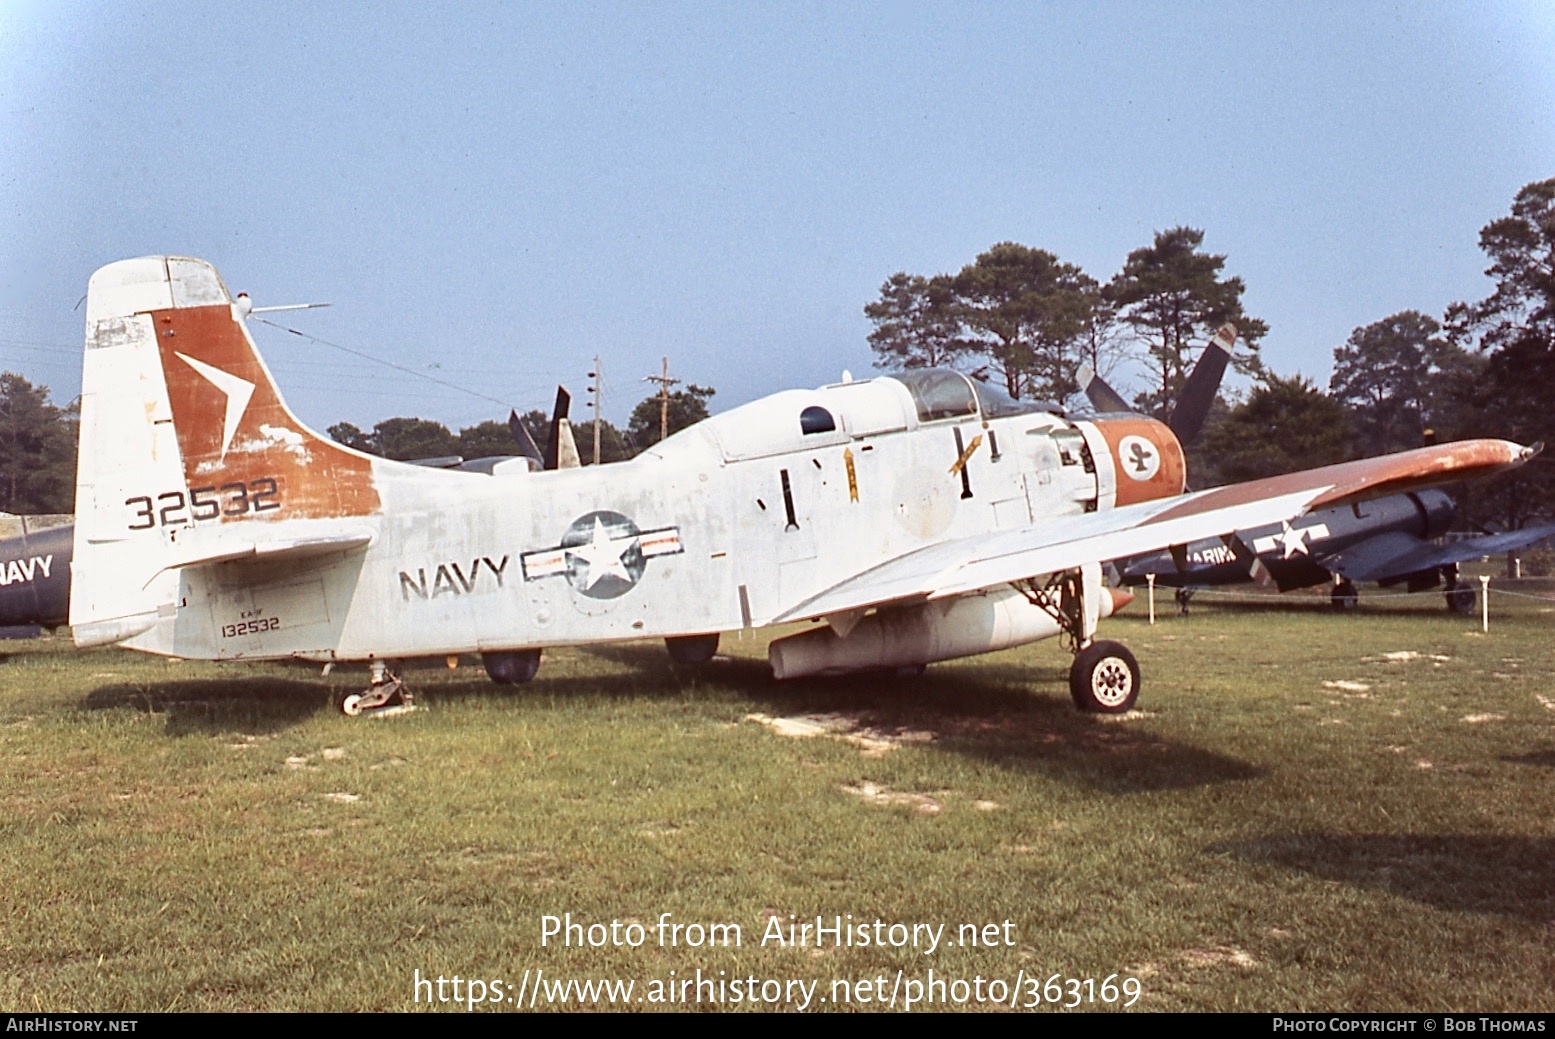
(183, 437)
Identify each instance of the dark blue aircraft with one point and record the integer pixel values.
(1390, 540)
(34, 572)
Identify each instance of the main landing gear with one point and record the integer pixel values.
(1459, 593)
(1344, 596)
(386, 695)
(1104, 678)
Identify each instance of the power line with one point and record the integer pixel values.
(386, 364)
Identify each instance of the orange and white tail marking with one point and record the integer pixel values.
(233, 427)
(184, 440)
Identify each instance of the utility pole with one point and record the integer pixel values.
(597, 389)
(665, 382)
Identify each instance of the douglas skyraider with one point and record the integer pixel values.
(918, 517)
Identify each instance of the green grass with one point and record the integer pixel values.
(1253, 840)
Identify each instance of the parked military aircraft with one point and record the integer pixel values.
(34, 570)
(1392, 540)
(920, 516)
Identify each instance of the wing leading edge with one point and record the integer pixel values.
(970, 564)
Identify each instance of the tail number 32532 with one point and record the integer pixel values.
(173, 508)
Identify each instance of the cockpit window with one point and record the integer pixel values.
(999, 404)
(939, 394)
(816, 419)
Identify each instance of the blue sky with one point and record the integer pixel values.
(494, 193)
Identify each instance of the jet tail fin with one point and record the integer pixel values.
(1198, 393)
(527, 448)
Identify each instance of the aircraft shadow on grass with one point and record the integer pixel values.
(1478, 873)
(986, 711)
(1544, 758)
(255, 706)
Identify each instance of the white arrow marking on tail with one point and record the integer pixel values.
(238, 392)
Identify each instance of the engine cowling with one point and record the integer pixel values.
(1147, 461)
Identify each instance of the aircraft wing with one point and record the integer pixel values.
(970, 564)
(1388, 556)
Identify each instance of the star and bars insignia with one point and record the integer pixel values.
(603, 554)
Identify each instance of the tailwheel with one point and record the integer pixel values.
(1104, 678)
(1344, 596)
(386, 695)
(692, 649)
(512, 668)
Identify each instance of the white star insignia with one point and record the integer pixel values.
(1292, 541)
(606, 557)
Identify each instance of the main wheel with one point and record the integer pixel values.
(692, 649)
(1344, 596)
(513, 668)
(1104, 678)
(1461, 599)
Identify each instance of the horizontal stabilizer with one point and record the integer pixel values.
(273, 549)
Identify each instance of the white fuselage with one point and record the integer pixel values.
(723, 526)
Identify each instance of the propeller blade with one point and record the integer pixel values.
(1198, 393)
(526, 443)
(561, 450)
(1103, 397)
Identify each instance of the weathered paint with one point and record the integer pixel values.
(35, 575)
(234, 430)
(1368, 478)
(733, 523)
